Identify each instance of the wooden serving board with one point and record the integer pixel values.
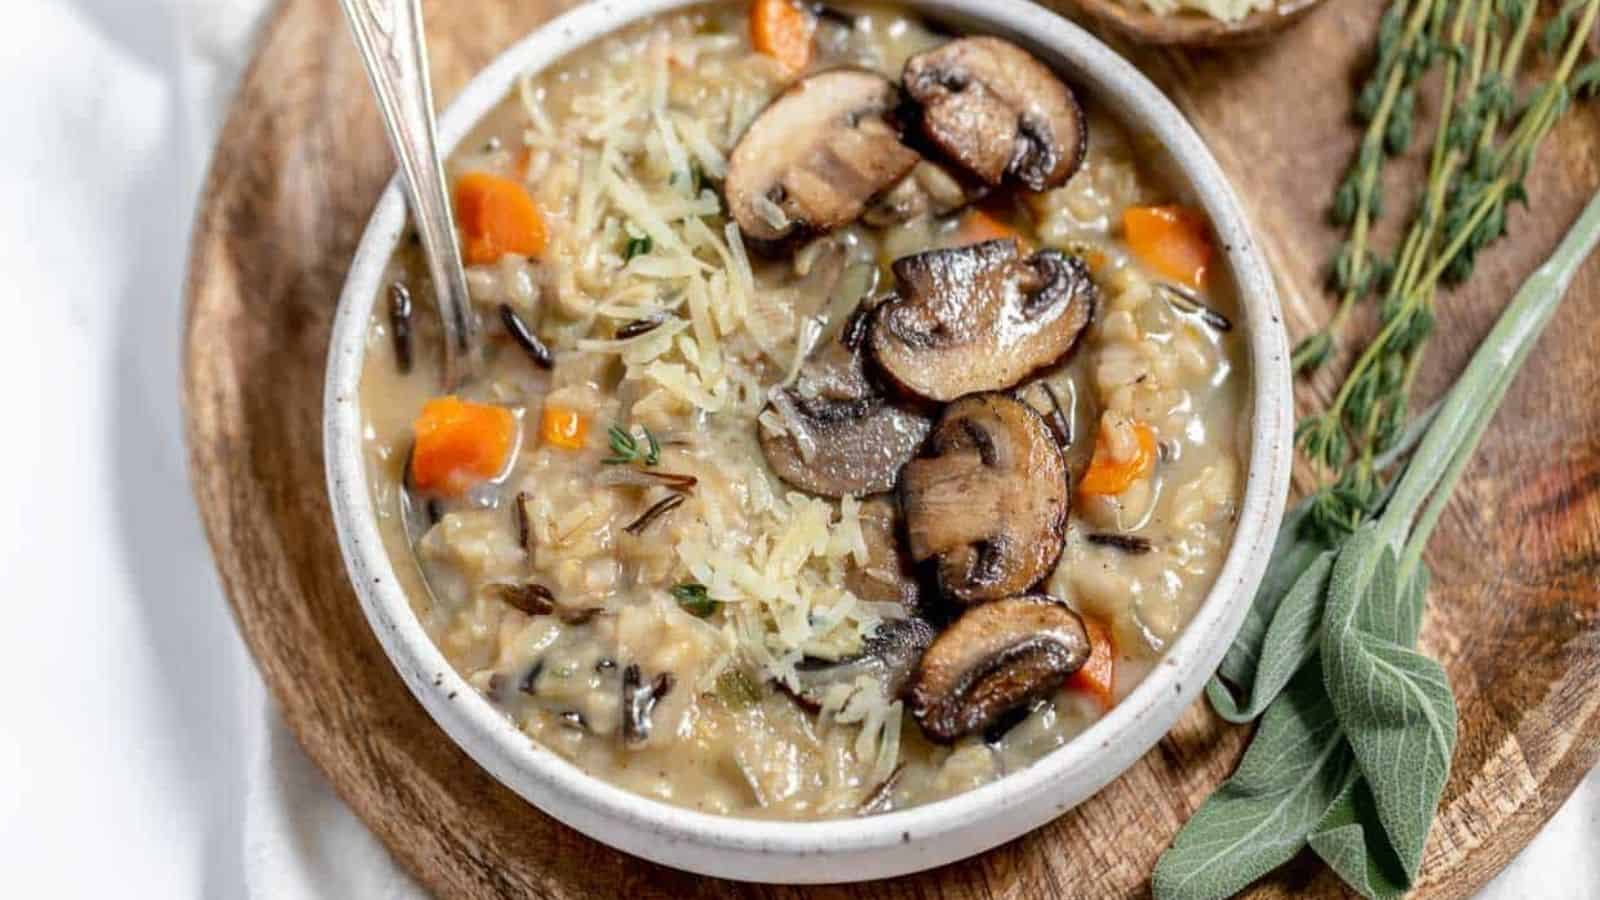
(1515, 613)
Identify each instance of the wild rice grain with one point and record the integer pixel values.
(525, 338)
(637, 526)
(530, 599)
(1127, 543)
(400, 325)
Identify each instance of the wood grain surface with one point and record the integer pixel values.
(1515, 614)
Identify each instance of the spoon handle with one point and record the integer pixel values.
(390, 37)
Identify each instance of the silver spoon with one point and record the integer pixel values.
(394, 50)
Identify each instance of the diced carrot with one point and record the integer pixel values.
(497, 216)
(978, 226)
(459, 444)
(563, 427)
(1108, 476)
(1096, 261)
(1173, 240)
(1098, 676)
(783, 31)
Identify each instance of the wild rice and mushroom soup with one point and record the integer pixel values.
(859, 420)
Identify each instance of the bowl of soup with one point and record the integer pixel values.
(881, 429)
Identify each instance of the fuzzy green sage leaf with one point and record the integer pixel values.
(1296, 767)
(1352, 757)
(1357, 851)
(1289, 643)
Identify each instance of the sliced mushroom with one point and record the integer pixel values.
(980, 318)
(888, 576)
(929, 190)
(840, 434)
(889, 657)
(997, 111)
(816, 157)
(994, 659)
(987, 503)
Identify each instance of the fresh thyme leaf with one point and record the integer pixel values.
(638, 246)
(626, 449)
(652, 453)
(1585, 83)
(695, 599)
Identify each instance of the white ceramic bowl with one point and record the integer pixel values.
(898, 842)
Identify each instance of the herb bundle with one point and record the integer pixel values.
(1357, 729)
(1482, 150)
(1352, 754)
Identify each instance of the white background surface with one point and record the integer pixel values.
(139, 756)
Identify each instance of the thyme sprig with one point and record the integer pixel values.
(1482, 150)
(627, 449)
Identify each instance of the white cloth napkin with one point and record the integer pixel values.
(140, 756)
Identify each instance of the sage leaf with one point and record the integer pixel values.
(1290, 642)
(1379, 613)
(1397, 707)
(1294, 550)
(1393, 703)
(1296, 767)
(1356, 849)
(1415, 600)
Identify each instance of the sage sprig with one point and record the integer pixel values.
(1351, 758)
(1331, 633)
(1300, 552)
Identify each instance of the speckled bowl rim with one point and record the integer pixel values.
(858, 848)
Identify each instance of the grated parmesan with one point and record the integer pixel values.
(775, 560)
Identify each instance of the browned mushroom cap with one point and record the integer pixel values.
(995, 658)
(888, 576)
(840, 434)
(980, 318)
(988, 501)
(996, 110)
(814, 158)
(889, 657)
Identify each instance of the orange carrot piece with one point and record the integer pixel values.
(978, 226)
(497, 216)
(1173, 240)
(563, 427)
(1108, 476)
(1098, 676)
(783, 31)
(459, 444)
